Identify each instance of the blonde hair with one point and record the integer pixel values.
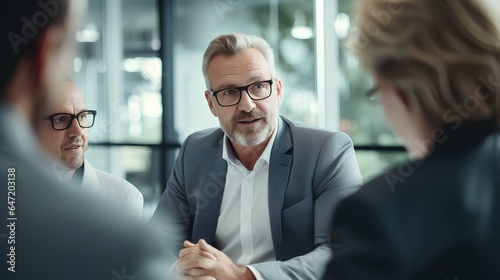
(442, 54)
(231, 44)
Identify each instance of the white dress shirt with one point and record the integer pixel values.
(244, 229)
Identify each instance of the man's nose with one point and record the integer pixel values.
(74, 129)
(246, 103)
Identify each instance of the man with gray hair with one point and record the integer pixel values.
(254, 198)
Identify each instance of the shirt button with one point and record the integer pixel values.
(245, 217)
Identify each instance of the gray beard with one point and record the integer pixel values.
(254, 141)
(242, 139)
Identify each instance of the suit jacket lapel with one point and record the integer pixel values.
(210, 196)
(279, 171)
(90, 181)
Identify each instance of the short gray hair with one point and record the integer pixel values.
(232, 44)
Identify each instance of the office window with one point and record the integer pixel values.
(290, 27)
(361, 119)
(118, 68)
(287, 25)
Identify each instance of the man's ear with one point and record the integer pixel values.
(279, 89)
(210, 101)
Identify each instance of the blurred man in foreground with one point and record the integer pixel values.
(49, 231)
(436, 66)
(63, 133)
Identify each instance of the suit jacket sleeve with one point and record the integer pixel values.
(173, 214)
(336, 176)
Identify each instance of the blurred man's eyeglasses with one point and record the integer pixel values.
(373, 95)
(62, 121)
(232, 96)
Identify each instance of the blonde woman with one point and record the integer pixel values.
(436, 67)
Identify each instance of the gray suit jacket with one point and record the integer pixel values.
(311, 170)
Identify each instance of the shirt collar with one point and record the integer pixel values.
(229, 155)
(77, 177)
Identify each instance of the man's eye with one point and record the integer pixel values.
(60, 119)
(258, 86)
(82, 116)
(230, 92)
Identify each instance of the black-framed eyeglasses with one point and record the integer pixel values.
(62, 121)
(256, 91)
(373, 95)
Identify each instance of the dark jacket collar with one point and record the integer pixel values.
(467, 134)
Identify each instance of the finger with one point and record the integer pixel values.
(188, 277)
(194, 261)
(197, 272)
(207, 247)
(196, 251)
(192, 248)
(208, 255)
(188, 244)
(196, 278)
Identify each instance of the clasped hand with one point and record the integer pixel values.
(201, 261)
